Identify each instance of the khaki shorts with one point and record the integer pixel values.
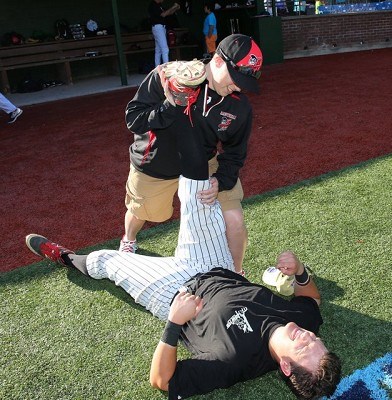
(151, 199)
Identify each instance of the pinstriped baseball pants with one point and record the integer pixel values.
(153, 281)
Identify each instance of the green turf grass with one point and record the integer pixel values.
(65, 336)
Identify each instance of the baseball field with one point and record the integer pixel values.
(317, 180)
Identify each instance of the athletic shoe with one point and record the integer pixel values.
(44, 248)
(14, 115)
(128, 246)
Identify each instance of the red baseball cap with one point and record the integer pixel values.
(243, 58)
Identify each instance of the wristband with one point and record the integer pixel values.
(171, 334)
(303, 279)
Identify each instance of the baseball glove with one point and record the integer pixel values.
(184, 79)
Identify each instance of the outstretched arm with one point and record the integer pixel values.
(175, 7)
(163, 365)
(289, 264)
(184, 307)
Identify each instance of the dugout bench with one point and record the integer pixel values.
(63, 53)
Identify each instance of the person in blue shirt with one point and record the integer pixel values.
(209, 28)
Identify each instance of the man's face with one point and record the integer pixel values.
(301, 346)
(221, 80)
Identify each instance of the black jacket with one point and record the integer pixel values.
(151, 118)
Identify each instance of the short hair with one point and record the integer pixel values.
(312, 385)
(210, 5)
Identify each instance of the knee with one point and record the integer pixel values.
(235, 223)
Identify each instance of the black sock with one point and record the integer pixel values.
(76, 261)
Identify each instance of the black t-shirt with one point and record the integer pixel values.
(154, 11)
(229, 338)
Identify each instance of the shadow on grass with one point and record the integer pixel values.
(44, 268)
(357, 338)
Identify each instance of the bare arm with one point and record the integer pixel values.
(289, 264)
(171, 10)
(163, 365)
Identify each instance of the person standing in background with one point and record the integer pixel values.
(12, 111)
(209, 28)
(157, 16)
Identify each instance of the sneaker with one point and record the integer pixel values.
(14, 115)
(128, 246)
(44, 248)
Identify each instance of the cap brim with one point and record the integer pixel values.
(244, 82)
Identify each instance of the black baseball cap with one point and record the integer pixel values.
(243, 58)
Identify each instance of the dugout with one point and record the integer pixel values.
(35, 21)
(283, 28)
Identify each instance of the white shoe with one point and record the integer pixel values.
(14, 115)
(128, 246)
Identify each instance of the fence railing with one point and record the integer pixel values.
(301, 7)
(341, 7)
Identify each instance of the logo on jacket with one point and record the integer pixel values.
(226, 120)
(239, 319)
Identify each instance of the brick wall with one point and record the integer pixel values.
(314, 32)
